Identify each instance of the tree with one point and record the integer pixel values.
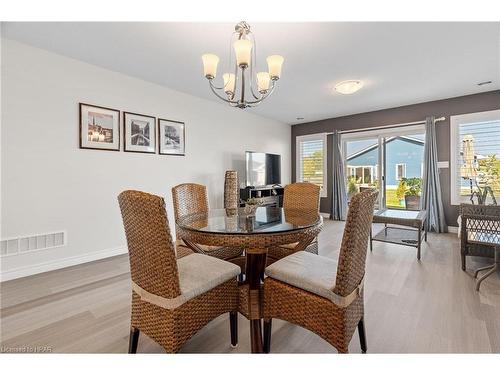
(489, 174)
(312, 168)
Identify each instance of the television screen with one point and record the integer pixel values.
(263, 169)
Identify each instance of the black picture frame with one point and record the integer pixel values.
(82, 142)
(182, 137)
(126, 146)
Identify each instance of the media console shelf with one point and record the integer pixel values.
(271, 196)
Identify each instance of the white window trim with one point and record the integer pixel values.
(455, 122)
(404, 171)
(313, 137)
(363, 167)
(369, 134)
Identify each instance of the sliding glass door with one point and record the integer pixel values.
(362, 160)
(390, 160)
(404, 162)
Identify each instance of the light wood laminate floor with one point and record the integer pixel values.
(429, 306)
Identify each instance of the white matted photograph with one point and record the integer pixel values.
(99, 128)
(172, 137)
(140, 133)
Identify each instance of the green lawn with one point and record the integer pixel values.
(392, 200)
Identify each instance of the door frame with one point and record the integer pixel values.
(381, 135)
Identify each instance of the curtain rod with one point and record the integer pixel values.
(387, 126)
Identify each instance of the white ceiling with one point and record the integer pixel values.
(400, 63)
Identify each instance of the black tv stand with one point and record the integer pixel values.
(271, 196)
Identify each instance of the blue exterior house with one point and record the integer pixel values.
(404, 158)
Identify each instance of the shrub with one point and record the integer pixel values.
(401, 190)
(413, 186)
(352, 187)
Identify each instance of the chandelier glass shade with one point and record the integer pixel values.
(241, 86)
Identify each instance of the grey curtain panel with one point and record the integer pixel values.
(431, 187)
(339, 197)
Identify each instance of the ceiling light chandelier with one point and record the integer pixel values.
(239, 81)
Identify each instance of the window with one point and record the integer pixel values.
(363, 174)
(400, 171)
(475, 155)
(311, 160)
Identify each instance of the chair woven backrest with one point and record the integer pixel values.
(479, 210)
(352, 258)
(189, 199)
(301, 195)
(480, 219)
(153, 264)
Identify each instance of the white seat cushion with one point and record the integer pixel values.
(292, 246)
(289, 246)
(206, 248)
(199, 273)
(310, 272)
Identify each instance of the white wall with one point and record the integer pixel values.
(49, 184)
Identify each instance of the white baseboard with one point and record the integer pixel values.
(326, 215)
(452, 229)
(60, 263)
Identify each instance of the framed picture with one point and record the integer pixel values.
(172, 137)
(140, 133)
(99, 128)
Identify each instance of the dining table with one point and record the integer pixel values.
(255, 231)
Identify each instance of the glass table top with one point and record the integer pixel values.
(484, 237)
(264, 220)
(400, 214)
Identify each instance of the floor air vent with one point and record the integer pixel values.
(19, 245)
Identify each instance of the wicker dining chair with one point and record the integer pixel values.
(303, 196)
(319, 293)
(171, 298)
(190, 198)
(479, 219)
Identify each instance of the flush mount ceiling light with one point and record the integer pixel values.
(348, 87)
(239, 82)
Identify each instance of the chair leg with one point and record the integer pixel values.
(371, 239)
(267, 335)
(463, 262)
(133, 340)
(362, 335)
(233, 326)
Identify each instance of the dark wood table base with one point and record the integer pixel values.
(256, 264)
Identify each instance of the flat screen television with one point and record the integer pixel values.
(262, 169)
